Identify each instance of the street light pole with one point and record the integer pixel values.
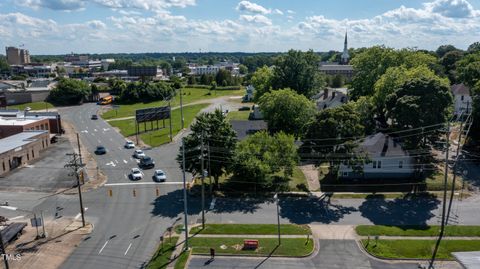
(185, 207)
(278, 218)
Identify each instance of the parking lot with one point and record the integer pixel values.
(45, 174)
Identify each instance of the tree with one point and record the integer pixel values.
(449, 61)
(474, 47)
(332, 135)
(287, 111)
(224, 77)
(259, 157)
(475, 129)
(337, 81)
(418, 103)
(298, 71)
(366, 109)
(242, 69)
(218, 135)
(444, 49)
(69, 92)
(4, 66)
(262, 81)
(146, 92)
(468, 69)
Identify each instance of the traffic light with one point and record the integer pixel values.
(81, 177)
(157, 190)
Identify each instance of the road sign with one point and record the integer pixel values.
(36, 222)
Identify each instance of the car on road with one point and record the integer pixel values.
(159, 176)
(136, 174)
(129, 144)
(138, 153)
(94, 117)
(146, 162)
(100, 150)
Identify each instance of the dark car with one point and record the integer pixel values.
(94, 117)
(100, 150)
(146, 162)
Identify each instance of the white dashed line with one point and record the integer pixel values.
(129, 246)
(14, 218)
(80, 214)
(104, 245)
(94, 130)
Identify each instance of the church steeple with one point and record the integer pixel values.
(345, 56)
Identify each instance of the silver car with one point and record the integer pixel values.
(136, 174)
(159, 176)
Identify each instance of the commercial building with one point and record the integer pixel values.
(333, 69)
(32, 70)
(16, 56)
(26, 92)
(19, 149)
(11, 126)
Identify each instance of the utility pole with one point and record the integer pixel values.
(4, 252)
(444, 206)
(75, 165)
(203, 180)
(278, 218)
(209, 169)
(181, 108)
(170, 119)
(79, 150)
(185, 207)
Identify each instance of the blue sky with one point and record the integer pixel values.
(100, 26)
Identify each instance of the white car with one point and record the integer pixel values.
(159, 176)
(129, 145)
(138, 154)
(136, 174)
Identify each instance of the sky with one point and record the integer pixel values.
(116, 26)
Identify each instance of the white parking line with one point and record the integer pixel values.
(8, 207)
(94, 130)
(14, 218)
(129, 246)
(125, 161)
(104, 245)
(116, 161)
(143, 183)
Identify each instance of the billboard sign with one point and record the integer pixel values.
(152, 114)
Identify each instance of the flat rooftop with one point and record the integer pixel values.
(18, 140)
(17, 121)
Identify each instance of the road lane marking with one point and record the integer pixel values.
(129, 246)
(212, 204)
(14, 218)
(116, 161)
(94, 130)
(84, 131)
(144, 183)
(111, 163)
(106, 129)
(9, 207)
(125, 161)
(80, 214)
(104, 245)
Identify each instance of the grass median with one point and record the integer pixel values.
(252, 229)
(161, 258)
(159, 137)
(418, 249)
(182, 260)
(412, 230)
(293, 247)
(189, 95)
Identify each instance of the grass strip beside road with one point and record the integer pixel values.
(252, 229)
(159, 137)
(182, 260)
(293, 247)
(189, 95)
(418, 249)
(409, 230)
(32, 106)
(161, 258)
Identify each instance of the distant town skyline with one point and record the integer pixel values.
(136, 26)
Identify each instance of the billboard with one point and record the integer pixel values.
(152, 114)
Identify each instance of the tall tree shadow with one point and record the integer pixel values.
(409, 210)
(313, 209)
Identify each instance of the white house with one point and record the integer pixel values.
(249, 92)
(387, 159)
(462, 99)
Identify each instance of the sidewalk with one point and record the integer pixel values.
(382, 237)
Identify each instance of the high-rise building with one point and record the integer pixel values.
(16, 56)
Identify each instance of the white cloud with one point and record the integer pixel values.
(252, 8)
(452, 8)
(153, 5)
(66, 5)
(289, 11)
(259, 19)
(278, 11)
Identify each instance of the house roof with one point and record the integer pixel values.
(245, 127)
(460, 89)
(18, 140)
(383, 145)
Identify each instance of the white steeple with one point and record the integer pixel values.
(345, 56)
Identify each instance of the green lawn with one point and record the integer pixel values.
(418, 249)
(289, 247)
(33, 106)
(161, 258)
(182, 260)
(298, 182)
(159, 137)
(190, 95)
(238, 115)
(252, 229)
(435, 181)
(417, 230)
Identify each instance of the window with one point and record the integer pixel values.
(461, 98)
(33, 154)
(3, 165)
(28, 157)
(400, 164)
(379, 164)
(374, 164)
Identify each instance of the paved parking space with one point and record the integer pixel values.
(45, 174)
